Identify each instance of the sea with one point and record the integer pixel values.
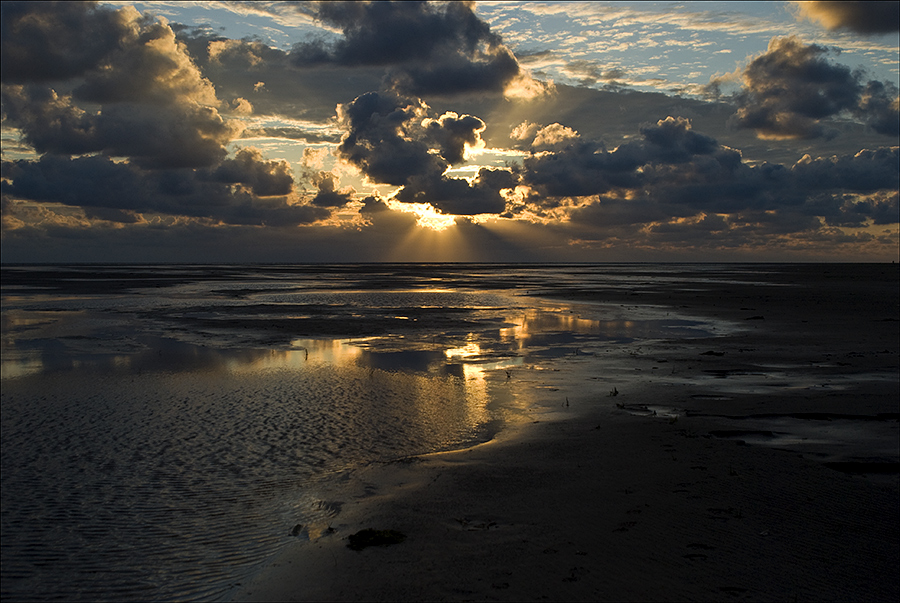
(167, 429)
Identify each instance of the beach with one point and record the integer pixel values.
(562, 432)
(758, 465)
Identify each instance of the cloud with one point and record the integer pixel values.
(151, 67)
(264, 178)
(553, 136)
(883, 208)
(174, 136)
(379, 138)
(155, 107)
(104, 187)
(139, 97)
(585, 167)
(792, 87)
(858, 17)
(392, 140)
(58, 40)
(266, 77)
(588, 72)
(290, 133)
(456, 196)
(674, 173)
(454, 134)
(428, 48)
(867, 170)
(880, 102)
(328, 195)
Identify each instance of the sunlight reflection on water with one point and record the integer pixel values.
(157, 442)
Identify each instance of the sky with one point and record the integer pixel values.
(224, 132)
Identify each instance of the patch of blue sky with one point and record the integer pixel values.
(684, 43)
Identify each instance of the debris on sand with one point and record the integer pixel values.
(371, 537)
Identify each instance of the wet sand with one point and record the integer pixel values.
(702, 479)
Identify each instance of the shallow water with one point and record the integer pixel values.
(163, 428)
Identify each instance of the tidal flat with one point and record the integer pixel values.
(545, 431)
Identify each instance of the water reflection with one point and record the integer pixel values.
(40, 342)
(201, 415)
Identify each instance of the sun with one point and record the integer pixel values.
(427, 216)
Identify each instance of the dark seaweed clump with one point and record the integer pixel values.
(370, 537)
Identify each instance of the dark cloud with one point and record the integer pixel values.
(882, 208)
(675, 172)
(373, 205)
(672, 140)
(792, 87)
(179, 135)
(452, 133)
(623, 212)
(119, 216)
(264, 178)
(384, 33)
(141, 98)
(328, 195)
(868, 170)
(430, 48)
(391, 139)
(493, 74)
(48, 41)
(880, 104)
(138, 96)
(459, 197)
(585, 167)
(102, 185)
(860, 17)
(378, 138)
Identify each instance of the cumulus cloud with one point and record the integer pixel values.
(155, 106)
(524, 131)
(58, 40)
(789, 89)
(429, 48)
(264, 178)
(553, 136)
(150, 67)
(328, 195)
(454, 134)
(675, 173)
(860, 17)
(380, 140)
(585, 167)
(154, 136)
(133, 92)
(392, 140)
(266, 77)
